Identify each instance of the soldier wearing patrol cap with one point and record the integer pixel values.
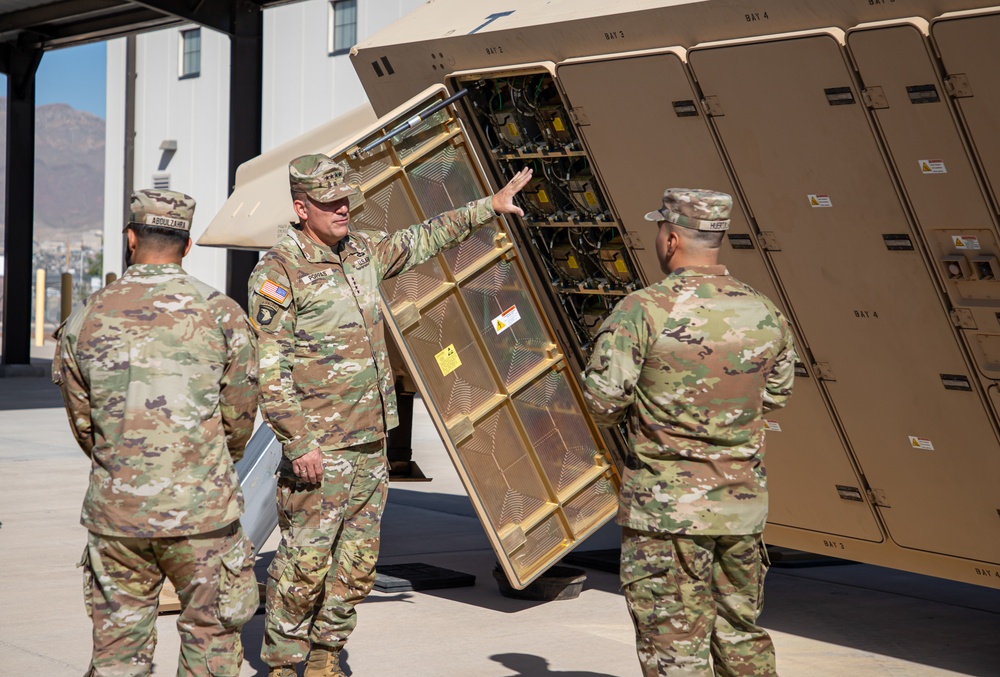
(692, 363)
(158, 374)
(327, 393)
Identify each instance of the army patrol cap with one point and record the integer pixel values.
(695, 208)
(320, 178)
(162, 208)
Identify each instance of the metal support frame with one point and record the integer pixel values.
(246, 91)
(20, 63)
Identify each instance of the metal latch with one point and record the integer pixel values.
(963, 318)
(712, 106)
(874, 97)
(579, 116)
(958, 85)
(824, 371)
(877, 497)
(768, 241)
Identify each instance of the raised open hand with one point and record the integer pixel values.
(503, 199)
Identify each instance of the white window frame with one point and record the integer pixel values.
(182, 74)
(332, 47)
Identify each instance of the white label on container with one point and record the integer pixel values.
(932, 167)
(820, 201)
(772, 426)
(965, 241)
(921, 443)
(504, 320)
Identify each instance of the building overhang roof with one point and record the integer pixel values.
(58, 23)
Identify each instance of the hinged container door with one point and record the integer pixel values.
(798, 135)
(646, 131)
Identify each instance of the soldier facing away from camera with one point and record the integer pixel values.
(158, 374)
(692, 363)
(327, 393)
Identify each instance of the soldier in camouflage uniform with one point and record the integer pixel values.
(158, 373)
(692, 363)
(327, 393)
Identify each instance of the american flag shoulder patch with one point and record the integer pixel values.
(272, 290)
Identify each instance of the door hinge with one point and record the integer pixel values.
(632, 239)
(963, 318)
(712, 107)
(958, 86)
(824, 371)
(877, 497)
(874, 97)
(768, 241)
(579, 116)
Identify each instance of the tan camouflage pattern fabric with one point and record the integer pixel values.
(695, 601)
(162, 208)
(325, 563)
(324, 371)
(692, 363)
(320, 178)
(159, 376)
(214, 579)
(694, 208)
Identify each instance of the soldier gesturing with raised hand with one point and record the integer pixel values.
(327, 393)
(692, 363)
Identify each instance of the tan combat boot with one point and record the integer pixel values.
(283, 671)
(324, 663)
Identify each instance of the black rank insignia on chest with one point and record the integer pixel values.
(265, 314)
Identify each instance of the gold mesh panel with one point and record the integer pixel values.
(540, 543)
(520, 440)
(413, 139)
(515, 345)
(444, 180)
(470, 385)
(555, 427)
(503, 475)
(364, 170)
(586, 510)
(388, 208)
(480, 243)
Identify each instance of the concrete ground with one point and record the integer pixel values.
(826, 620)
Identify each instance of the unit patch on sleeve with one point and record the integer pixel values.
(274, 291)
(265, 314)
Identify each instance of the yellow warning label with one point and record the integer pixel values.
(620, 266)
(571, 262)
(926, 167)
(815, 202)
(448, 360)
(500, 326)
(542, 195)
(512, 129)
(558, 124)
(590, 198)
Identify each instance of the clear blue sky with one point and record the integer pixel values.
(72, 75)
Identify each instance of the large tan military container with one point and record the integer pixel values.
(861, 140)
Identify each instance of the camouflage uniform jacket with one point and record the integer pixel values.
(693, 362)
(324, 370)
(159, 375)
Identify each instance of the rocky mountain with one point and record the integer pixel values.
(69, 170)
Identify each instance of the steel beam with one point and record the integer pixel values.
(20, 63)
(246, 59)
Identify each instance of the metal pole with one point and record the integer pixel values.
(129, 174)
(40, 307)
(65, 296)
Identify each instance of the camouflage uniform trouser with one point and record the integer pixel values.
(325, 564)
(692, 597)
(213, 576)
